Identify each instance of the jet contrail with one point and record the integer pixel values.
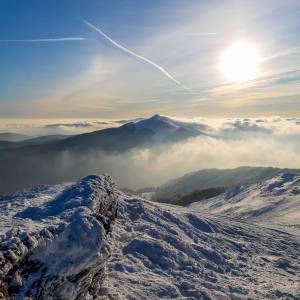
(63, 39)
(202, 33)
(150, 62)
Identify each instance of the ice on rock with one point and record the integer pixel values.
(58, 245)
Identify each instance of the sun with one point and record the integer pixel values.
(240, 61)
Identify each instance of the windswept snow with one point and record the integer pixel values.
(273, 201)
(11, 205)
(168, 252)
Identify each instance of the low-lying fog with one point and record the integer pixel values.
(228, 144)
(236, 144)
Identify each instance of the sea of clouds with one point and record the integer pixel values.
(224, 143)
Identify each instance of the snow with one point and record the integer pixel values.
(147, 195)
(164, 127)
(160, 125)
(163, 251)
(274, 201)
(64, 242)
(14, 204)
(58, 238)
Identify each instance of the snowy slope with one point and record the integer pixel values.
(168, 252)
(64, 242)
(272, 201)
(213, 178)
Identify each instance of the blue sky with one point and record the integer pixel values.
(92, 78)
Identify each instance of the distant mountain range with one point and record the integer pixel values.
(12, 137)
(55, 158)
(146, 132)
(49, 159)
(28, 141)
(157, 129)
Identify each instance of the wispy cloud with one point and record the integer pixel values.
(287, 52)
(81, 124)
(63, 39)
(201, 33)
(126, 50)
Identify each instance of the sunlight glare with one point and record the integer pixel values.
(239, 62)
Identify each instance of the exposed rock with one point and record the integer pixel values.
(57, 245)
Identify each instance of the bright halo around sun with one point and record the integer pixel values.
(240, 61)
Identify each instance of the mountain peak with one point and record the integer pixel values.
(155, 116)
(158, 117)
(160, 125)
(164, 128)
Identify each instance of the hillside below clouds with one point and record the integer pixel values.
(222, 179)
(146, 132)
(58, 158)
(141, 132)
(149, 152)
(12, 137)
(88, 240)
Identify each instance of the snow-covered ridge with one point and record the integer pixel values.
(272, 201)
(53, 242)
(164, 128)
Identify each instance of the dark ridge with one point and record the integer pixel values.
(194, 196)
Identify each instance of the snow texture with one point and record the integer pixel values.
(64, 242)
(275, 201)
(167, 252)
(57, 245)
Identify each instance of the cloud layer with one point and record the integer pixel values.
(232, 143)
(227, 143)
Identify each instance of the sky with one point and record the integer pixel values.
(131, 58)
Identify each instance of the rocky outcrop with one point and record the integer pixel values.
(54, 244)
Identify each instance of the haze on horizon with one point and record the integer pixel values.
(129, 59)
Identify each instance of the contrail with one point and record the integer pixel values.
(150, 62)
(202, 33)
(63, 39)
